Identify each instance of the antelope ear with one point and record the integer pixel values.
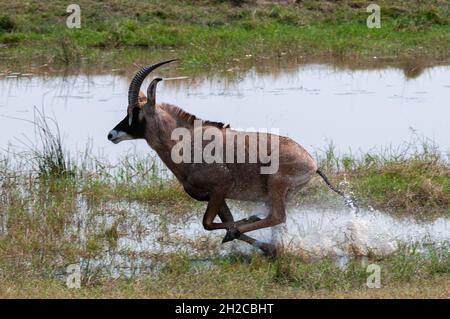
(142, 99)
(151, 93)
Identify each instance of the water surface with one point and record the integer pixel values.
(311, 232)
(357, 110)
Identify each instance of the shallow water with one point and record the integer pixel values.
(322, 231)
(311, 232)
(313, 104)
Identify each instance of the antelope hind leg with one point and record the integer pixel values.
(226, 217)
(233, 232)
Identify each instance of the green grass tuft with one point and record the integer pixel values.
(205, 34)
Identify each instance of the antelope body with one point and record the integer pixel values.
(215, 182)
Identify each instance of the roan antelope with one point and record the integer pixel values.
(215, 182)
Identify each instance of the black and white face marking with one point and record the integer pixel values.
(124, 131)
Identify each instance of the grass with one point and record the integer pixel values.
(52, 160)
(402, 275)
(206, 34)
(413, 178)
(56, 209)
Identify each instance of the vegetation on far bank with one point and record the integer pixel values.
(211, 33)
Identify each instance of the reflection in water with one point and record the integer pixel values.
(313, 104)
(411, 67)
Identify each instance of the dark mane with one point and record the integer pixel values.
(188, 118)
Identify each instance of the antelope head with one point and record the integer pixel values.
(133, 126)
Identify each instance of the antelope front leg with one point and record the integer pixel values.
(217, 206)
(216, 202)
(226, 217)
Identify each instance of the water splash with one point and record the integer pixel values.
(310, 232)
(319, 231)
(349, 195)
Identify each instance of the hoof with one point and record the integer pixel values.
(232, 234)
(269, 250)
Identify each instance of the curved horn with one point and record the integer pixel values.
(136, 82)
(151, 92)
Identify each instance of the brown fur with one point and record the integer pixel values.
(142, 99)
(183, 116)
(216, 182)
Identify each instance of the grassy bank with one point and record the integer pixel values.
(205, 34)
(413, 178)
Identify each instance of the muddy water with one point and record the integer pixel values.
(314, 104)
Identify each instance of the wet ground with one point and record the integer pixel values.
(310, 231)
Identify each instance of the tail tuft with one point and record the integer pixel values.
(348, 200)
(325, 178)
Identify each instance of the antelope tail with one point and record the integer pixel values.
(349, 201)
(325, 178)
